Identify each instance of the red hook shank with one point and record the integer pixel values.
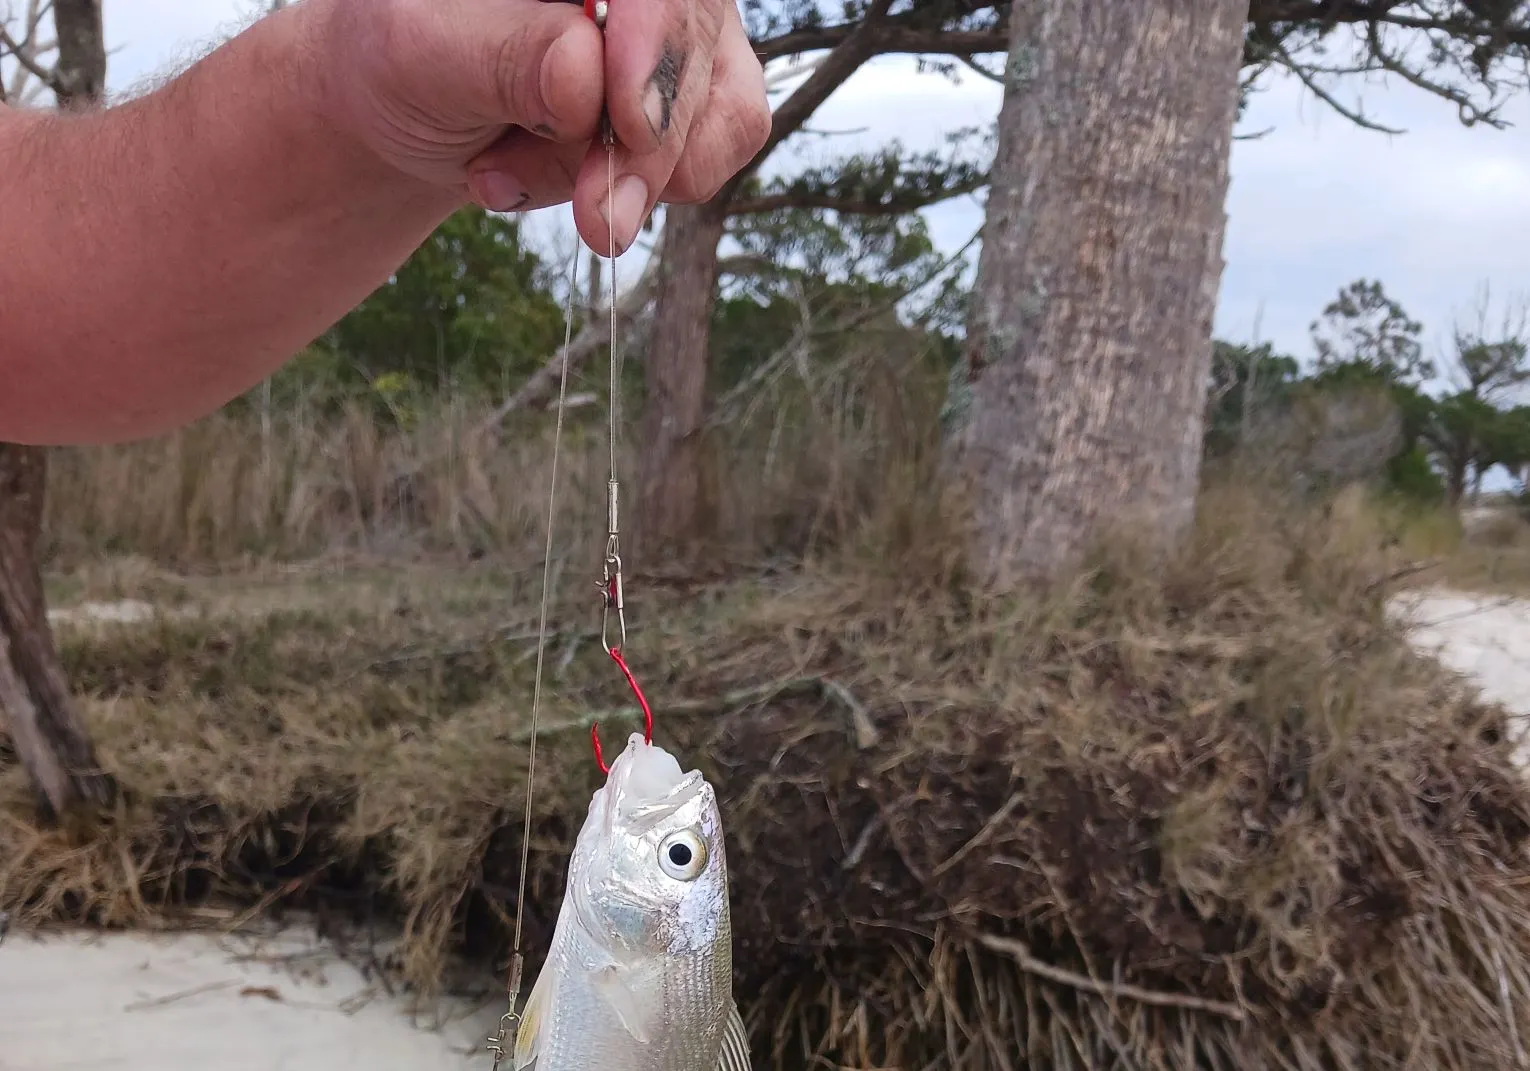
(616, 656)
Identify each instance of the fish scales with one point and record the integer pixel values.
(639, 973)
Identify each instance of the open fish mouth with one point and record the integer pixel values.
(647, 786)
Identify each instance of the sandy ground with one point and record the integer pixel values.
(1484, 638)
(142, 1002)
(285, 1003)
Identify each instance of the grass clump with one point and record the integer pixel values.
(1211, 814)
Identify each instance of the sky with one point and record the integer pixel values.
(1434, 213)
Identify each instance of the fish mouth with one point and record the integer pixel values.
(646, 786)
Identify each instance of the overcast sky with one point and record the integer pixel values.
(1434, 213)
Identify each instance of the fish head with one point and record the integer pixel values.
(649, 876)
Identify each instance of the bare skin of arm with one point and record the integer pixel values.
(161, 257)
(147, 283)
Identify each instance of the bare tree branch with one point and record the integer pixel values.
(971, 63)
(541, 384)
(26, 54)
(1472, 52)
(900, 34)
(1283, 58)
(832, 72)
(726, 410)
(897, 203)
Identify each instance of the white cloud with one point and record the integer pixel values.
(1432, 213)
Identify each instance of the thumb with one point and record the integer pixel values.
(541, 66)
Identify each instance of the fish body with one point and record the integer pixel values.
(639, 974)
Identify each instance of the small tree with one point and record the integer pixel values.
(1365, 329)
(1470, 429)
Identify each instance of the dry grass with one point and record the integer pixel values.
(1493, 556)
(794, 475)
(1213, 814)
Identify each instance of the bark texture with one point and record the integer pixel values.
(671, 499)
(35, 703)
(81, 52)
(43, 719)
(1078, 402)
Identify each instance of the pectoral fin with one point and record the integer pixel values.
(537, 1013)
(734, 1054)
(611, 984)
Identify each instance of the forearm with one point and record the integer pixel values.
(160, 258)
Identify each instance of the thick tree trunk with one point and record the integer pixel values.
(671, 501)
(35, 704)
(44, 722)
(1078, 402)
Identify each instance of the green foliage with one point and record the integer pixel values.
(890, 180)
(471, 310)
(1365, 332)
(1412, 478)
(819, 276)
(1365, 341)
(1490, 368)
(1244, 380)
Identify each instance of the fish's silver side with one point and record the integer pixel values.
(639, 973)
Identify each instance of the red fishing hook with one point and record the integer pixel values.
(621, 663)
(611, 587)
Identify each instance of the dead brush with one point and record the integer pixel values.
(1204, 813)
(1215, 815)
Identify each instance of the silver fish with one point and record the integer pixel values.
(639, 976)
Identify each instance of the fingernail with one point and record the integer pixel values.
(498, 191)
(656, 110)
(625, 209)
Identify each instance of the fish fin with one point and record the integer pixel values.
(610, 984)
(534, 1016)
(734, 1054)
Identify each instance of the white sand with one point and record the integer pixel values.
(143, 1002)
(1486, 639)
(157, 1003)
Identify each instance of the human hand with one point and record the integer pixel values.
(501, 100)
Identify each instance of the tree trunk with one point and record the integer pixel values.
(81, 52)
(1455, 480)
(1078, 402)
(670, 483)
(35, 704)
(44, 722)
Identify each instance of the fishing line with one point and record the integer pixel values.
(517, 962)
(611, 581)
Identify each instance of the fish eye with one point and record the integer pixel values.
(682, 855)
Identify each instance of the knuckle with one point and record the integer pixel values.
(699, 177)
(517, 83)
(711, 16)
(754, 124)
(685, 189)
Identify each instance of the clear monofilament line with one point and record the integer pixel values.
(536, 687)
(611, 246)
